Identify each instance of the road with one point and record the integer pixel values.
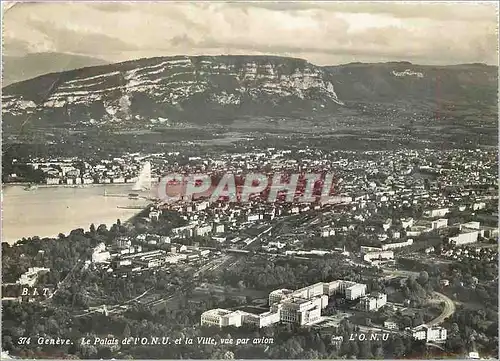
(449, 309)
(112, 308)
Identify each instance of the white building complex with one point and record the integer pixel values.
(406, 243)
(99, 254)
(302, 307)
(440, 212)
(378, 256)
(220, 317)
(350, 290)
(465, 238)
(440, 223)
(373, 302)
(30, 277)
(429, 333)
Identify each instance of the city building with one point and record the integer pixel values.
(391, 325)
(429, 333)
(100, 255)
(373, 302)
(355, 291)
(327, 231)
(302, 311)
(473, 355)
(309, 291)
(302, 306)
(478, 206)
(53, 181)
(203, 230)
(30, 277)
(220, 317)
(218, 228)
(262, 320)
(351, 290)
(154, 215)
(439, 212)
(382, 255)
(387, 246)
(440, 223)
(277, 296)
(470, 225)
(408, 222)
(464, 238)
(387, 224)
(367, 249)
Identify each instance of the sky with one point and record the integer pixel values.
(323, 33)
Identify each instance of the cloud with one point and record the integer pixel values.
(323, 33)
(440, 11)
(75, 39)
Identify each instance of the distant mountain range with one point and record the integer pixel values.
(202, 89)
(19, 68)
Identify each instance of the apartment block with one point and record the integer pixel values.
(309, 291)
(355, 291)
(301, 311)
(440, 223)
(279, 295)
(30, 277)
(263, 320)
(387, 246)
(429, 333)
(470, 225)
(408, 222)
(464, 238)
(220, 317)
(390, 325)
(373, 302)
(383, 255)
(439, 212)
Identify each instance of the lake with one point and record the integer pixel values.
(48, 211)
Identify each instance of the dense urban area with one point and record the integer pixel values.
(402, 262)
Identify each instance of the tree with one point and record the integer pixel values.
(423, 278)
(92, 228)
(311, 355)
(353, 349)
(398, 347)
(418, 320)
(7, 343)
(126, 331)
(102, 229)
(379, 353)
(365, 351)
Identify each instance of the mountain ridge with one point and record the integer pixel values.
(401, 62)
(227, 86)
(27, 67)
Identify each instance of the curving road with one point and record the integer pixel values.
(448, 310)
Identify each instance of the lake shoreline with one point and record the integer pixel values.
(47, 211)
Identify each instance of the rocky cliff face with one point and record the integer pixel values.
(173, 88)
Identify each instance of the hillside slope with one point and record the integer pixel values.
(206, 89)
(20, 68)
